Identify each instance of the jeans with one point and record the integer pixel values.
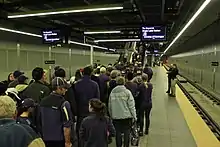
(173, 86)
(122, 126)
(145, 112)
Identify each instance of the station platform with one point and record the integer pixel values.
(174, 122)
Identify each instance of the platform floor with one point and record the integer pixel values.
(168, 126)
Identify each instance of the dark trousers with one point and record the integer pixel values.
(169, 84)
(54, 143)
(78, 125)
(144, 112)
(122, 126)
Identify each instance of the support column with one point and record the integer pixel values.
(7, 60)
(70, 56)
(152, 60)
(91, 55)
(18, 56)
(50, 67)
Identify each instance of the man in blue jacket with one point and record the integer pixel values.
(85, 90)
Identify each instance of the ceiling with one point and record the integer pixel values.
(128, 20)
(200, 33)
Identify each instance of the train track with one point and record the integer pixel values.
(213, 125)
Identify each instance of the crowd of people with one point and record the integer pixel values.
(98, 103)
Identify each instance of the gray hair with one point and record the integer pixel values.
(7, 107)
(115, 73)
(120, 80)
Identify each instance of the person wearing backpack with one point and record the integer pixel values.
(56, 116)
(97, 129)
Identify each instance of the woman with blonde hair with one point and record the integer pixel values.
(145, 96)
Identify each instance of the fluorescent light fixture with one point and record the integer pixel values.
(104, 48)
(103, 32)
(64, 12)
(118, 40)
(112, 50)
(78, 43)
(202, 7)
(20, 32)
(39, 36)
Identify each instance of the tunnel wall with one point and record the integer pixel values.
(196, 64)
(33, 55)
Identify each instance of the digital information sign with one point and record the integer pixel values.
(51, 36)
(154, 33)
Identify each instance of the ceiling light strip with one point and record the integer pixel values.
(65, 12)
(39, 36)
(20, 32)
(202, 7)
(118, 40)
(102, 32)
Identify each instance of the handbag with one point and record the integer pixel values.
(134, 135)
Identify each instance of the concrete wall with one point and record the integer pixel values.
(197, 63)
(33, 53)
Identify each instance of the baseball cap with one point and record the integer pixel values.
(27, 103)
(17, 73)
(59, 82)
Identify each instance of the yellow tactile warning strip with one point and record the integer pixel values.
(199, 129)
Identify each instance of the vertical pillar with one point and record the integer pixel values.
(18, 56)
(27, 55)
(152, 60)
(50, 67)
(214, 70)
(7, 59)
(91, 55)
(70, 56)
(202, 68)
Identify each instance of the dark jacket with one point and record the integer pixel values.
(95, 79)
(18, 135)
(145, 94)
(149, 72)
(173, 73)
(85, 89)
(103, 87)
(94, 131)
(13, 84)
(55, 114)
(70, 97)
(133, 87)
(37, 91)
(112, 85)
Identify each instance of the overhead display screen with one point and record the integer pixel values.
(51, 36)
(153, 33)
